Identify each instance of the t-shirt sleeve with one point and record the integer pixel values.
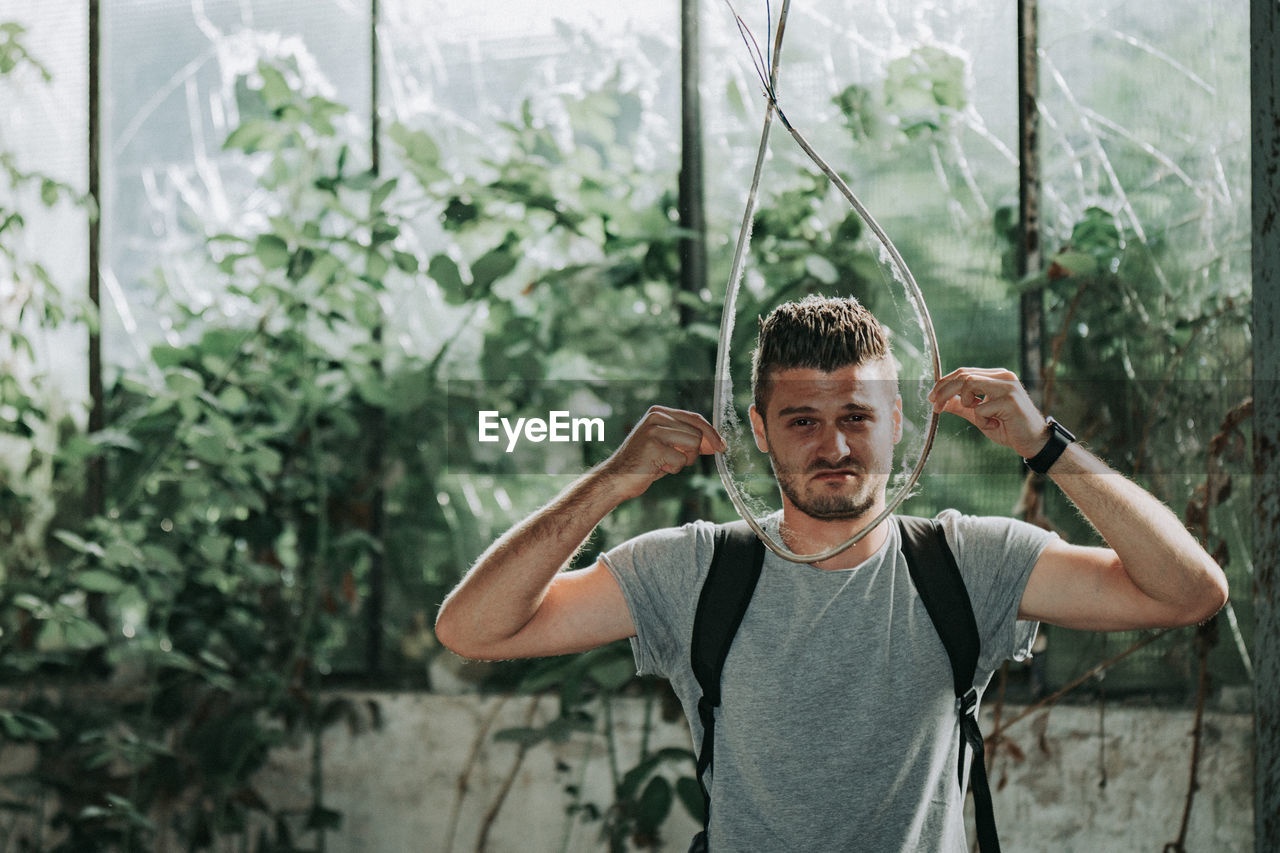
(660, 574)
(996, 556)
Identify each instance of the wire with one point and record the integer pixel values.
(760, 60)
(769, 60)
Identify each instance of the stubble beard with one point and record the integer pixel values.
(829, 507)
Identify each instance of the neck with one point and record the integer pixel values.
(804, 534)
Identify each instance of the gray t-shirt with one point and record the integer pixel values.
(837, 729)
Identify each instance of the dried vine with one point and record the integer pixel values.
(1215, 489)
(491, 816)
(464, 778)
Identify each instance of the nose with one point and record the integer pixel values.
(834, 444)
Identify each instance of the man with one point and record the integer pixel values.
(837, 729)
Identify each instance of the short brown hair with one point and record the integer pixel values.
(820, 332)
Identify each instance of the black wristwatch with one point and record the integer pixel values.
(1059, 438)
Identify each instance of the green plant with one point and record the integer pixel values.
(251, 456)
(645, 791)
(236, 525)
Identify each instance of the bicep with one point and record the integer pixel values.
(1088, 589)
(582, 609)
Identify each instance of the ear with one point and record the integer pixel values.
(757, 429)
(897, 419)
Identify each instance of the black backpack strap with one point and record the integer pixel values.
(726, 593)
(938, 580)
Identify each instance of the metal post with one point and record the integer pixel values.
(377, 580)
(693, 243)
(693, 240)
(375, 124)
(95, 486)
(1265, 74)
(1032, 302)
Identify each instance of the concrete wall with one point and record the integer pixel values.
(429, 779)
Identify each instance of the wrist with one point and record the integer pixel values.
(1056, 440)
(611, 484)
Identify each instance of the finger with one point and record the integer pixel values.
(688, 443)
(947, 387)
(710, 440)
(981, 381)
(671, 460)
(960, 391)
(990, 414)
(955, 407)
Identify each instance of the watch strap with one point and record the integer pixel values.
(1059, 438)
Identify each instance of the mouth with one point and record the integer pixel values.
(835, 476)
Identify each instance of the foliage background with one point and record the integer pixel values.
(300, 328)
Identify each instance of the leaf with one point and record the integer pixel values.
(550, 673)
(322, 818)
(13, 219)
(376, 266)
(33, 605)
(383, 232)
(1073, 264)
(420, 151)
(99, 580)
(81, 634)
(233, 399)
(406, 261)
(275, 89)
(266, 461)
(122, 552)
(444, 272)
(632, 778)
(613, 674)
(19, 725)
(209, 448)
(459, 212)
(493, 265)
(183, 382)
(113, 438)
(322, 113)
(162, 560)
(379, 196)
(79, 544)
(563, 727)
(857, 106)
(325, 266)
(417, 145)
(373, 391)
(655, 803)
(271, 251)
(821, 269)
(522, 735)
(300, 264)
(253, 135)
(690, 794)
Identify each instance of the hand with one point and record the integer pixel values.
(995, 402)
(664, 442)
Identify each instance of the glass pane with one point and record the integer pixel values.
(170, 75)
(46, 135)
(1145, 134)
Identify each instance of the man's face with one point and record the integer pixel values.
(830, 437)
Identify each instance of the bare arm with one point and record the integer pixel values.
(1153, 572)
(516, 601)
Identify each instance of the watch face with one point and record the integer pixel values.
(1059, 429)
